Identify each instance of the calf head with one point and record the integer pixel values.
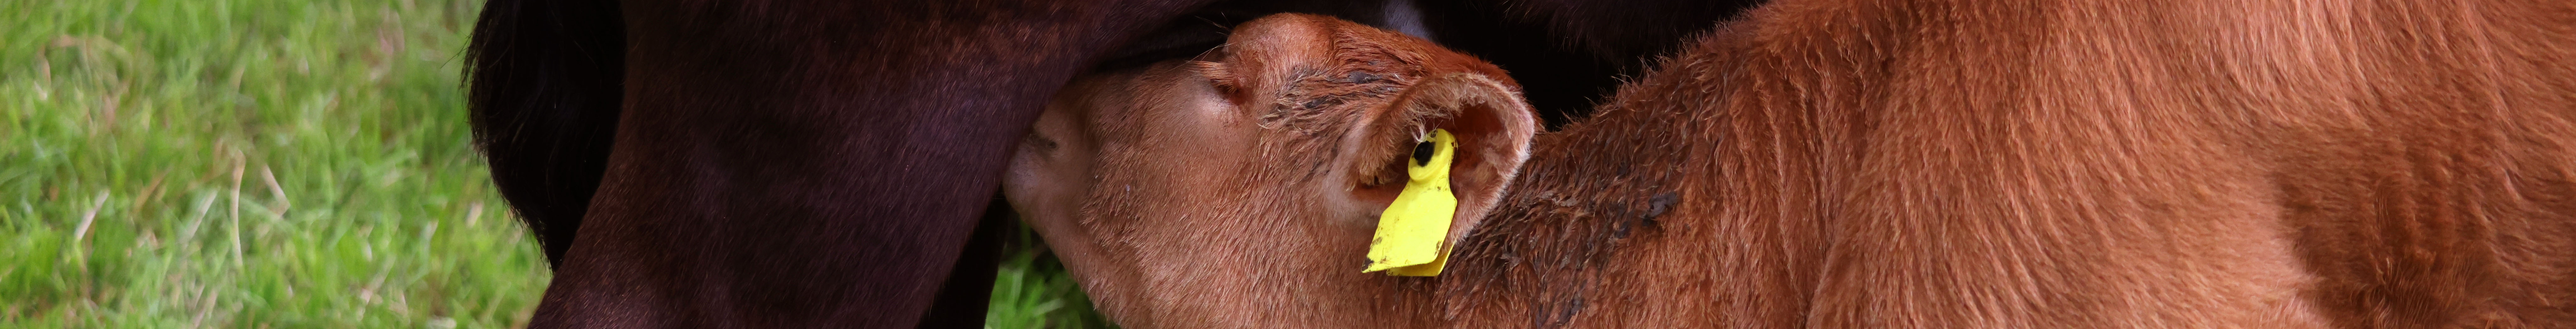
(1241, 189)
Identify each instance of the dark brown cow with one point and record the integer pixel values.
(773, 163)
(793, 163)
(1856, 164)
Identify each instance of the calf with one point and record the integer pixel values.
(1856, 163)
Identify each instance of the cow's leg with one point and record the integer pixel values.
(968, 293)
(545, 92)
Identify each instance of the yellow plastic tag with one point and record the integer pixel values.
(1413, 235)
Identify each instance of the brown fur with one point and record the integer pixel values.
(1841, 164)
(1274, 109)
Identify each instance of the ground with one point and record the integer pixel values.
(277, 164)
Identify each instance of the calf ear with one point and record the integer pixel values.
(1493, 127)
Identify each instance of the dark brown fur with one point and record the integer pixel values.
(773, 163)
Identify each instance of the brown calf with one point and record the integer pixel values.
(1843, 164)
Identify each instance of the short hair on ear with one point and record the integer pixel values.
(1491, 121)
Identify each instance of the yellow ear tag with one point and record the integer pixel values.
(1413, 234)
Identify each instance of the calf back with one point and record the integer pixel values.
(2375, 164)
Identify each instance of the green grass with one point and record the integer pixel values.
(276, 164)
(1032, 291)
